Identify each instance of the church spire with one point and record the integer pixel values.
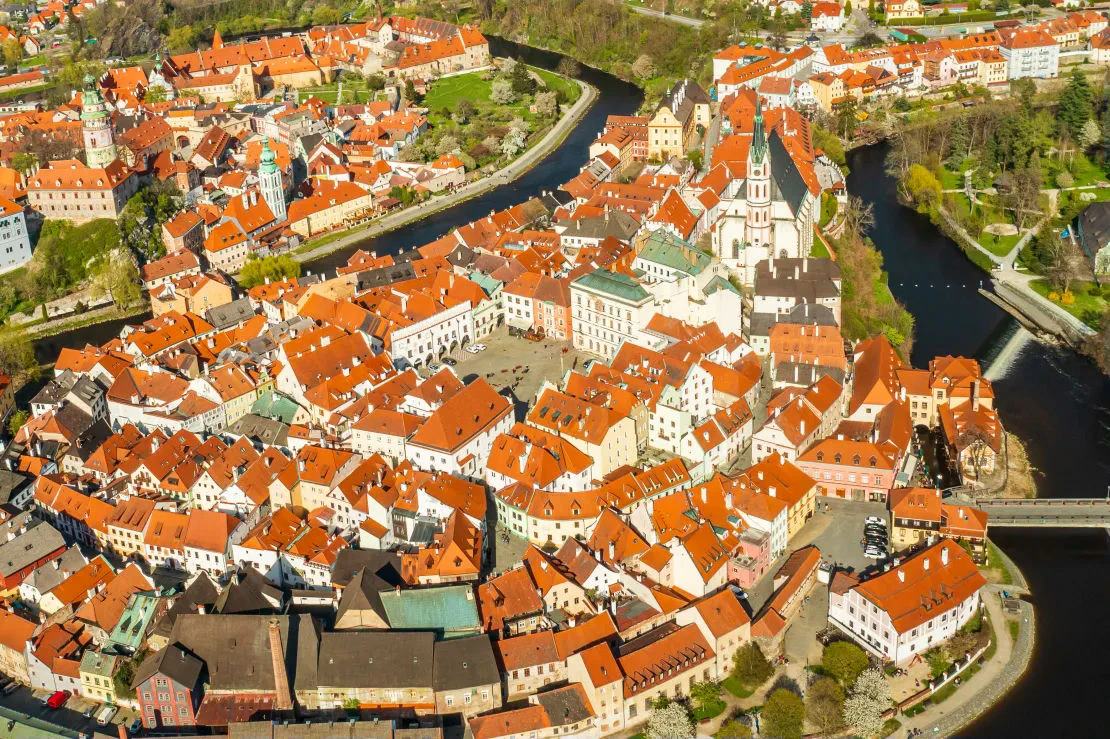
(217, 40)
(759, 136)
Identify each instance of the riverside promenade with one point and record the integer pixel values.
(436, 203)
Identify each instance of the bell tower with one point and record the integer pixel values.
(269, 181)
(757, 223)
(96, 127)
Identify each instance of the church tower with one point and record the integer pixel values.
(96, 127)
(757, 223)
(269, 181)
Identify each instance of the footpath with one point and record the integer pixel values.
(436, 203)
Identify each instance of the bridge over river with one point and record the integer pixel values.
(1047, 512)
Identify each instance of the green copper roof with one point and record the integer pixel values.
(719, 283)
(663, 247)
(615, 284)
(759, 136)
(275, 406)
(444, 609)
(267, 160)
(130, 630)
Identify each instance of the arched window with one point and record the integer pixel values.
(837, 458)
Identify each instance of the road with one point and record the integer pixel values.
(682, 19)
(503, 176)
(34, 719)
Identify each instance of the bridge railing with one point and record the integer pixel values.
(1035, 502)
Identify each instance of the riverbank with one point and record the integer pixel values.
(519, 166)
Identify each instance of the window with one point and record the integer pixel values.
(449, 700)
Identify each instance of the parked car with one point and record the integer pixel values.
(135, 727)
(106, 715)
(875, 519)
(58, 699)
(450, 361)
(10, 688)
(435, 366)
(473, 349)
(478, 347)
(88, 712)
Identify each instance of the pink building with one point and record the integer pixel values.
(751, 559)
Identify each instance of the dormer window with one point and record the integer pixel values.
(837, 458)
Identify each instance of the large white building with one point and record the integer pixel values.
(911, 608)
(609, 308)
(15, 245)
(1029, 52)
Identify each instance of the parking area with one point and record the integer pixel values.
(22, 714)
(516, 363)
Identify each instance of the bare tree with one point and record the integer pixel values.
(974, 446)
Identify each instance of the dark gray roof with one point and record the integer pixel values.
(1094, 228)
(91, 439)
(786, 181)
(53, 391)
(386, 566)
(377, 659)
(230, 314)
(31, 542)
(12, 483)
(554, 199)
(803, 314)
(236, 649)
(806, 280)
(385, 276)
(248, 592)
(266, 430)
(462, 256)
(804, 375)
(465, 662)
(566, 705)
(44, 578)
(174, 662)
(363, 593)
(615, 223)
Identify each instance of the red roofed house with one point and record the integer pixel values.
(66, 189)
(910, 608)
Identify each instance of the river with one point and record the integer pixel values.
(1056, 401)
(1059, 404)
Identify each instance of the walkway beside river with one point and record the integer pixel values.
(436, 203)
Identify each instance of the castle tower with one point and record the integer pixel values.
(757, 224)
(217, 40)
(269, 181)
(96, 127)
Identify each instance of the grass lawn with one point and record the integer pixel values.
(1088, 173)
(996, 565)
(733, 686)
(355, 91)
(712, 710)
(1087, 308)
(818, 250)
(446, 92)
(1000, 246)
(555, 82)
(950, 180)
(890, 726)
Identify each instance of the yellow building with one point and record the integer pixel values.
(96, 672)
(828, 89)
(672, 128)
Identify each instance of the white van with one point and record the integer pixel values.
(106, 714)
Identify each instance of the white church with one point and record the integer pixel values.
(768, 213)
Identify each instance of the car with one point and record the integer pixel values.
(875, 519)
(876, 531)
(435, 366)
(88, 712)
(479, 347)
(106, 715)
(473, 350)
(10, 688)
(57, 699)
(450, 361)
(135, 726)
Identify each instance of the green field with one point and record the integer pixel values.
(556, 83)
(1087, 308)
(447, 92)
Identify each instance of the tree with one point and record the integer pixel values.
(864, 707)
(705, 694)
(1023, 193)
(508, 66)
(118, 278)
(1076, 102)
(446, 145)
(807, 11)
(868, 40)
(696, 158)
(522, 80)
(733, 729)
(568, 67)
(513, 143)
(323, 15)
(13, 52)
(844, 661)
(750, 667)
(276, 268)
(547, 103)
(465, 109)
(1090, 134)
(959, 140)
(825, 705)
(923, 188)
(121, 681)
(16, 421)
(24, 163)
(669, 721)
(783, 715)
(643, 67)
(501, 92)
(410, 92)
(181, 39)
(155, 95)
(17, 355)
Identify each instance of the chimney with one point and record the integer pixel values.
(975, 395)
(612, 551)
(944, 556)
(902, 574)
(283, 699)
(925, 564)
(704, 496)
(805, 265)
(201, 609)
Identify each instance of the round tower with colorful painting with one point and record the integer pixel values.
(270, 181)
(96, 126)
